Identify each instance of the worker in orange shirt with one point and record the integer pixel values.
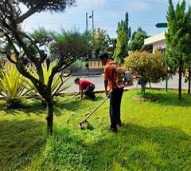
(113, 89)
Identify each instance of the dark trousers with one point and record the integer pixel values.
(115, 105)
(89, 92)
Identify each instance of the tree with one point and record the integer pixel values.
(126, 23)
(42, 37)
(23, 46)
(188, 77)
(188, 64)
(150, 67)
(178, 39)
(112, 46)
(101, 41)
(71, 43)
(137, 40)
(121, 50)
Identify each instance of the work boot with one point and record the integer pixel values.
(113, 129)
(119, 125)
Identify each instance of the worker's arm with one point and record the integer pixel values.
(81, 94)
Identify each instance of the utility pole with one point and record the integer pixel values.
(93, 32)
(86, 22)
(93, 23)
(93, 26)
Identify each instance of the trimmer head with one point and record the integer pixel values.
(86, 125)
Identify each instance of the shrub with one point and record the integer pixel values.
(149, 67)
(12, 85)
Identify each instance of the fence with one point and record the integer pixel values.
(95, 64)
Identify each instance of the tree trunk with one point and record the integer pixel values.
(50, 107)
(150, 85)
(189, 80)
(143, 89)
(166, 86)
(180, 82)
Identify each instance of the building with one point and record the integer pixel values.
(156, 42)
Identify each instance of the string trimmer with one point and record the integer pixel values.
(84, 124)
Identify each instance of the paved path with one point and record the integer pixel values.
(98, 80)
(172, 83)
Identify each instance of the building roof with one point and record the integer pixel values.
(154, 39)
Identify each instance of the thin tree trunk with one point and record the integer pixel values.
(166, 83)
(189, 80)
(50, 108)
(150, 85)
(180, 82)
(143, 89)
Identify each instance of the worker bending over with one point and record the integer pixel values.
(86, 88)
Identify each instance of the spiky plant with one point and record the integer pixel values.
(58, 84)
(12, 85)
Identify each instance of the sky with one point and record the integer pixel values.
(142, 13)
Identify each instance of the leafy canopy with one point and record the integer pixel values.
(147, 65)
(178, 36)
(178, 39)
(34, 6)
(101, 41)
(121, 50)
(137, 40)
(70, 43)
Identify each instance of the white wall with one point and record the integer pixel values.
(159, 45)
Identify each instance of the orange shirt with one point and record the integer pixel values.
(110, 74)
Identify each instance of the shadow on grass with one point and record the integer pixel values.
(167, 98)
(34, 107)
(70, 104)
(19, 142)
(74, 104)
(133, 148)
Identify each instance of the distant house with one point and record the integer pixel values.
(156, 42)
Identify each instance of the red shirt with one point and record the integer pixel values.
(84, 84)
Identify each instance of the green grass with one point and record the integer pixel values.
(156, 136)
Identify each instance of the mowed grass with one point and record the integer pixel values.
(156, 135)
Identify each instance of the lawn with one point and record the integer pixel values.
(156, 135)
